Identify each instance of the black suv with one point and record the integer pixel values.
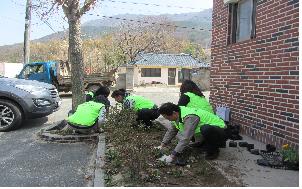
(25, 99)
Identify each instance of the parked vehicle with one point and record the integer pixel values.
(58, 73)
(22, 99)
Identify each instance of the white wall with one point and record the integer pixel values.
(138, 80)
(12, 69)
(163, 79)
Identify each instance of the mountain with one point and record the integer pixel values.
(99, 27)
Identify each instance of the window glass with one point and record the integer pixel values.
(150, 72)
(184, 74)
(31, 69)
(244, 20)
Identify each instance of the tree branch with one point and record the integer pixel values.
(88, 4)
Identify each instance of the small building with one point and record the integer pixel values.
(166, 69)
(255, 67)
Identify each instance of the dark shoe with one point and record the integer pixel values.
(212, 155)
(250, 147)
(263, 162)
(255, 151)
(270, 148)
(243, 144)
(232, 144)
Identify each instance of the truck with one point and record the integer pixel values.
(58, 73)
(23, 99)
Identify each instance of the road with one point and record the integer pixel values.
(27, 161)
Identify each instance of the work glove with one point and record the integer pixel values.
(160, 147)
(166, 159)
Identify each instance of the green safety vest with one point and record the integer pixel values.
(140, 102)
(205, 118)
(86, 114)
(199, 102)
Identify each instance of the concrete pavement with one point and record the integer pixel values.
(27, 161)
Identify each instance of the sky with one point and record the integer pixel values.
(12, 15)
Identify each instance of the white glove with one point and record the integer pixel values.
(159, 147)
(166, 159)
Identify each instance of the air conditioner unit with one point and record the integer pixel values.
(230, 1)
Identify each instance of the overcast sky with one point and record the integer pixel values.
(12, 13)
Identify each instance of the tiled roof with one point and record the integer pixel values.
(181, 60)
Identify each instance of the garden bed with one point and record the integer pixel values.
(131, 159)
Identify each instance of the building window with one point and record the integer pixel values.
(151, 72)
(34, 69)
(242, 21)
(184, 74)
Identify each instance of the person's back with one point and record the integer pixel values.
(145, 109)
(90, 114)
(140, 102)
(206, 118)
(191, 96)
(199, 102)
(86, 114)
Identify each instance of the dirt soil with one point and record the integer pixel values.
(131, 159)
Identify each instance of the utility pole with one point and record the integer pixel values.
(26, 48)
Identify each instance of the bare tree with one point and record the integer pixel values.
(73, 11)
(145, 36)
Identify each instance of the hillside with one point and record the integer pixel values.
(98, 28)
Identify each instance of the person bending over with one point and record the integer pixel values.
(192, 122)
(145, 109)
(191, 96)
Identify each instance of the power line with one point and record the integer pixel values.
(153, 23)
(131, 9)
(151, 4)
(152, 12)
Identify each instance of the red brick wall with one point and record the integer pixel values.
(259, 78)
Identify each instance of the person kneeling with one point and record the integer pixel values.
(191, 122)
(90, 115)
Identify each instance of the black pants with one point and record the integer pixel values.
(214, 137)
(147, 115)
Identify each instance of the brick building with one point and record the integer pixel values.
(255, 66)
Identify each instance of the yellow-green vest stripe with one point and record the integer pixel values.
(86, 114)
(140, 102)
(199, 102)
(205, 118)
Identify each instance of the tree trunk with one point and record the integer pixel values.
(76, 60)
